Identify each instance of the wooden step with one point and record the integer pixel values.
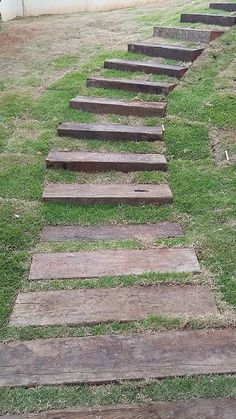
(110, 132)
(113, 358)
(208, 19)
(118, 107)
(166, 51)
(141, 86)
(100, 162)
(229, 7)
(111, 232)
(146, 67)
(91, 194)
(93, 306)
(112, 263)
(182, 409)
(186, 34)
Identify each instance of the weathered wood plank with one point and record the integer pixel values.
(111, 232)
(94, 162)
(143, 86)
(208, 19)
(87, 194)
(182, 409)
(93, 306)
(112, 263)
(166, 51)
(229, 7)
(110, 132)
(110, 358)
(146, 67)
(118, 107)
(187, 34)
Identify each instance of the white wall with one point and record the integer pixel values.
(9, 9)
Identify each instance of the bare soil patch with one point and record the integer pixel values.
(11, 40)
(223, 144)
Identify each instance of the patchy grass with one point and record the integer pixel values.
(65, 61)
(202, 106)
(173, 19)
(46, 398)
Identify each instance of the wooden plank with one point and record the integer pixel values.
(181, 409)
(229, 7)
(91, 194)
(166, 51)
(146, 67)
(94, 162)
(112, 263)
(143, 86)
(187, 34)
(208, 19)
(118, 107)
(111, 358)
(93, 306)
(111, 232)
(110, 132)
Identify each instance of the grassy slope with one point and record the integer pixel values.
(204, 204)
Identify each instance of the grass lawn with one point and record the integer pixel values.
(199, 128)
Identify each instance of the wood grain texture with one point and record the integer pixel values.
(142, 86)
(166, 51)
(182, 409)
(112, 263)
(110, 132)
(104, 359)
(118, 107)
(87, 194)
(111, 232)
(187, 34)
(146, 67)
(93, 306)
(94, 162)
(208, 19)
(229, 7)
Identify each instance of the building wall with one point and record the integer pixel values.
(10, 9)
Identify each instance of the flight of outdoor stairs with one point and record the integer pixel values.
(113, 358)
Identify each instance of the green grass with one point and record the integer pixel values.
(204, 204)
(13, 105)
(210, 105)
